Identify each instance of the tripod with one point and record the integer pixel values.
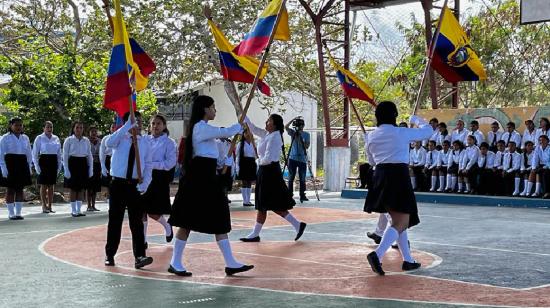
(287, 158)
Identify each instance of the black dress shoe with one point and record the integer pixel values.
(250, 240)
(109, 261)
(143, 261)
(80, 215)
(145, 246)
(248, 204)
(74, 215)
(375, 237)
(172, 270)
(303, 226)
(13, 218)
(303, 198)
(409, 266)
(18, 217)
(232, 271)
(375, 264)
(171, 236)
(546, 196)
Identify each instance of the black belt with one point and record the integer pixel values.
(125, 181)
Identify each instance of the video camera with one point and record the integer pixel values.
(298, 123)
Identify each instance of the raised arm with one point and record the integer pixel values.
(423, 131)
(254, 129)
(116, 137)
(206, 132)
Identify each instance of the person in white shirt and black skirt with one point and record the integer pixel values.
(94, 185)
(126, 190)
(157, 198)
(468, 168)
(200, 204)
(392, 190)
(105, 154)
(77, 166)
(246, 166)
(47, 159)
(16, 164)
(272, 193)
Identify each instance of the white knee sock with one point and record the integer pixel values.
(434, 182)
(537, 188)
(11, 209)
(248, 194)
(449, 181)
(390, 236)
(177, 254)
(78, 206)
(441, 182)
(145, 223)
(468, 187)
(73, 207)
(293, 221)
(403, 244)
(459, 186)
(166, 225)
(244, 193)
(225, 248)
(18, 207)
(413, 182)
(256, 231)
(525, 185)
(381, 225)
(529, 187)
(454, 179)
(517, 181)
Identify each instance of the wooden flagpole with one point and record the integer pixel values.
(357, 115)
(256, 78)
(430, 57)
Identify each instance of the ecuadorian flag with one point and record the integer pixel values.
(454, 59)
(353, 86)
(129, 68)
(257, 39)
(234, 67)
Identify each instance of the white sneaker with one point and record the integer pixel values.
(515, 194)
(523, 194)
(535, 194)
(432, 189)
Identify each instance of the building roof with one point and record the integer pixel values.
(376, 4)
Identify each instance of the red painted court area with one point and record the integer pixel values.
(316, 267)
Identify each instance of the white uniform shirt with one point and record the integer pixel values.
(443, 158)
(459, 135)
(432, 158)
(526, 160)
(163, 150)
(514, 136)
(223, 158)
(499, 159)
(434, 137)
(493, 138)
(478, 135)
(528, 136)
(368, 155)
(120, 142)
(441, 138)
(48, 146)
(104, 151)
(539, 133)
(270, 145)
(205, 135)
(11, 144)
(417, 157)
(455, 157)
(77, 148)
(471, 155)
(541, 156)
(487, 161)
(512, 162)
(389, 144)
(248, 151)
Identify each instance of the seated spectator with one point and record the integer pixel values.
(455, 157)
(474, 131)
(525, 169)
(442, 164)
(498, 188)
(529, 134)
(511, 134)
(539, 166)
(460, 132)
(486, 173)
(443, 134)
(494, 136)
(468, 167)
(510, 170)
(432, 157)
(417, 160)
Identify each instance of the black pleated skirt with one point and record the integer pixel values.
(78, 167)
(48, 169)
(271, 190)
(453, 169)
(157, 198)
(19, 174)
(247, 169)
(392, 190)
(106, 180)
(200, 204)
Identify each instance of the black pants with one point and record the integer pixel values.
(124, 194)
(365, 175)
(486, 182)
(302, 168)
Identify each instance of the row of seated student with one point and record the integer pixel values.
(463, 162)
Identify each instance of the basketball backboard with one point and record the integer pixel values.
(534, 11)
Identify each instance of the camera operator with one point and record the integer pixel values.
(297, 158)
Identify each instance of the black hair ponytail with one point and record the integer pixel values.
(197, 114)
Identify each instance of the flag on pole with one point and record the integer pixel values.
(353, 86)
(126, 74)
(234, 67)
(257, 39)
(454, 59)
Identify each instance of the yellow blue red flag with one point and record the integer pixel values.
(352, 86)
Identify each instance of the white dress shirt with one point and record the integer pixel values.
(514, 136)
(493, 138)
(47, 146)
(529, 136)
(435, 137)
(11, 144)
(368, 155)
(443, 158)
(478, 135)
(432, 157)
(269, 146)
(77, 148)
(512, 162)
(541, 156)
(539, 133)
(163, 150)
(417, 157)
(471, 155)
(223, 150)
(205, 135)
(487, 161)
(499, 159)
(104, 151)
(442, 138)
(248, 151)
(526, 160)
(389, 144)
(121, 142)
(459, 135)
